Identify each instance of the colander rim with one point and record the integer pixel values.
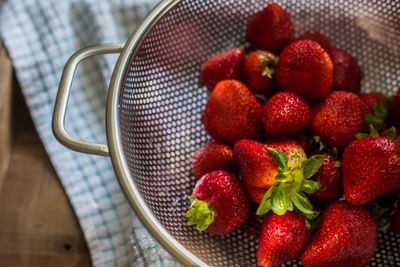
(118, 159)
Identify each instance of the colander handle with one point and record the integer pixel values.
(63, 95)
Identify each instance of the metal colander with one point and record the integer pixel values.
(155, 105)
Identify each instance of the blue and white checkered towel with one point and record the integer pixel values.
(40, 36)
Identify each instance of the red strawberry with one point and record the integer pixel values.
(270, 29)
(318, 37)
(370, 100)
(347, 73)
(258, 168)
(337, 119)
(213, 156)
(395, 224)
(375, 110)
(395, 109)
(283, 238)
(306, 69)
(304, 141)
(330, 177)
(219, 203)
(347, 236)
(371, 168)
(276, 174)
(223, 66)
(233, 113)
(258, 71)
(285, 114)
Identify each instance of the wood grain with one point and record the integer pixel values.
(37, 225)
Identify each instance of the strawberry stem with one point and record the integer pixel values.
(269, 66)
(200, 214)
(321, 148)
(378, 115)
(391, 133)
(290, 186)
(372, 133)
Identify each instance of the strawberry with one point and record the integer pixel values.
(304, 141)
(306, 69)
(347, 73)
(276, 175)
(346, 236)
(337, 119)
(323, 40)
(395, 109)
(233, 113)
(258, 71)
(285, 114)
(371, 168)
(375, 110)
(258, 168)
(395, 223)
(270, 29)
(283, 238)
(213, 156)
(224, 66)
(330, 177)
(218, 203)
(370, 101)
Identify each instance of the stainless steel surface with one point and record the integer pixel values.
(155, 104)
(63, 95)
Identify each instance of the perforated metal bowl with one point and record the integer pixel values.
(155, 104)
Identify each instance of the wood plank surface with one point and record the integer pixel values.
(37, 225)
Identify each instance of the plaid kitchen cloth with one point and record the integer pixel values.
(40, 36)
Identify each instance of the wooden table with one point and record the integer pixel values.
(37, 225)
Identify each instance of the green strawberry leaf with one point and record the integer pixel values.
(319, 146)
(378, 115)
(373, 132)
(200, 214)
(318, 141)
(269, 66)
(383, 224)
(283, 176)
(310, 187)
(302, 203)
(391, 133)
(279, 201)
(361, 135)
(265, 205)
(264, 208)
(381, 214)
(381, 110)
(397, 140)
(338, 164)
(311, 217)
(372, 119)
(280, 157)
(290, 204)
(311, 165)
